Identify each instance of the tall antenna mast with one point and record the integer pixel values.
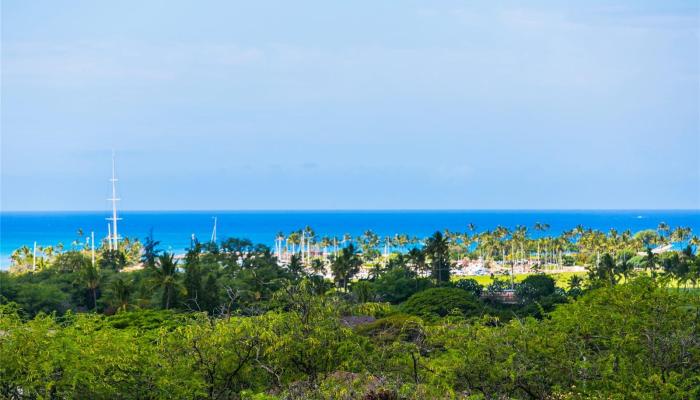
(114, 199)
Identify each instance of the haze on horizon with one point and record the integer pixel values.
(362, 105)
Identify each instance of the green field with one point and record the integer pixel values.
(561, 278)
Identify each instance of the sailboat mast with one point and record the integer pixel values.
(213, 232)
(114, 206)
(113, 234)
(109, 235)
(92, 242)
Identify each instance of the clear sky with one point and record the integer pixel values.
(354, 105)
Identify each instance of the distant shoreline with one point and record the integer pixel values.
(359, 210)
(175, 228)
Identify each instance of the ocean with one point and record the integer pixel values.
(174, 228)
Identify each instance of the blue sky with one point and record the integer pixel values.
(350, 105)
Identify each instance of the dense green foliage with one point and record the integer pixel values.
(228, 321)
(637, 340)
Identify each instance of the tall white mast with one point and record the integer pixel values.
(279, 241)
(114, 199)
(109, 235)
(92, 242)
(213, 232)
(34, 258)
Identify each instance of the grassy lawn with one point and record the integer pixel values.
(561, 278)
(690, 290)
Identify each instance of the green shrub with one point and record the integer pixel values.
(362, 291)
(34, 298)
(148, 319)
(471, 286)
(438, 302)
(535, 287)
(498, 285)
(389, 329)
(376, 310)
(398, 284)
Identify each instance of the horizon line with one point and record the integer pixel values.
(349, 210)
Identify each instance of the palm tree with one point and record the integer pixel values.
(121, 289)
(78, 239)
(345, 266)
(437, 247)
(91, 277)
(541, 228)
(501, 234)
(402, 241)
(335, 246)
(608, 269)
(624, 267)
(388, 246)
(317, 267)
(325, 242)
(519, 240)
(484, 245)
(165, 278)
(649, 262)
(561, 245)
(310, 236)
(415, 240)
(295, 266)
(21, 257)
(393, 241)
(417, 260)
(575, 282)
(663, 230)
(294, 239)
(613, 241)
(454, 245)
(47, 256)
(626, 239)
(694, 241)
(677, 266)
(647, 238)
(279, 239)
(461, 244)
(368, 243)
(150, 250)
(681, 234)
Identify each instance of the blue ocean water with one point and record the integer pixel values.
(174, 229)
